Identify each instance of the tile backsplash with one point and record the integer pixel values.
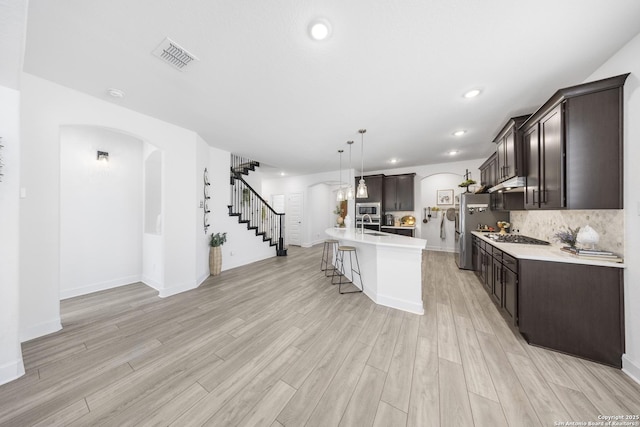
(609, 224)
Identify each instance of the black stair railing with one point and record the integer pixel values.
(252, 209)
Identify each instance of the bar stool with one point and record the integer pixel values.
(330, 245)
(338, 271)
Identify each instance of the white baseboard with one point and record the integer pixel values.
(101, 286)
(42, 329)
(11, 371)
(440, 249)
(174, 290)
(630, 368)
(151, 283)
(399, 304)
(315, 242)
(202, 278)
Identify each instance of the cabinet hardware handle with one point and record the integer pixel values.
(534, 197)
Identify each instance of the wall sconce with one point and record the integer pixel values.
(103, 156)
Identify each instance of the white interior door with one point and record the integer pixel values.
(293, 233)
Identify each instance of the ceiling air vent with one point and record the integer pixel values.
(173, 54)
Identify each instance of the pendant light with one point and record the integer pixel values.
(340, 195)
(362, 192)
(350, 193)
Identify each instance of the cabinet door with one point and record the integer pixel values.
(475, 252)
(389, 202)
(510, 286)
(404, 192)
(510, 155)
(532, 160)
(552, 163)
(496, 285)
(500, 161)
(374, 188)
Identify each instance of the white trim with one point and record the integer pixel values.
(11, 371)
(440, 249)
(202, 278)
(178, 289)
(399, 304)
(315, 242)
(630, 368)
(101, 286)
(151, 283)
(42, 329)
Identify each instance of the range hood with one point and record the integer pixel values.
(511, 185)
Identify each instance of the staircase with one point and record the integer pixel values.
(252, 209)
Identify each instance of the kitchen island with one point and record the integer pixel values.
(391, 266)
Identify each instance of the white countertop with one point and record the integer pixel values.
(369, 237)
(543, 253)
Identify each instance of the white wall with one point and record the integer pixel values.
(627, 60)
(202, 238)
(317, 191)
(100, 210)
(243, 246)
(45, 108)
(153, 218)
(431, 231)
(11, 366)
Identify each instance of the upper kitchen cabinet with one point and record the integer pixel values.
(488, 171)
(375, 185)
(573, 146)
(398, 193)
(509, 150)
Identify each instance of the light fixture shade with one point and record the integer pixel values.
(350, 193)
(362, 193)
(340, 196)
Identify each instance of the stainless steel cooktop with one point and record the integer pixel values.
(516, 238)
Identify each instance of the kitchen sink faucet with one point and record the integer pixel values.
(362, 225)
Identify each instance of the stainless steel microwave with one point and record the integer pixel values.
(374, 209)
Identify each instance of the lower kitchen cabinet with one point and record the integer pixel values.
(408, 231)
(573, 308)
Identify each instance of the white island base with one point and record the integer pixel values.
(391, 266)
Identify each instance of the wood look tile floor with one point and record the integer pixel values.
(274, 344)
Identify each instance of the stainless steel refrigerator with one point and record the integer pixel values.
(474, 211)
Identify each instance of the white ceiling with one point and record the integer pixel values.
(264, 89)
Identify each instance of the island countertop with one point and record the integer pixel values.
(391, 266)
(544, 253)
(376, 238)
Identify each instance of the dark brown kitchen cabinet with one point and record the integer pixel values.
(545, 189)
(509, 276)
(570, 143)
(509, 150)
(374, 188)
(496, 275)
(488, 171)
(398, 193)
(573, 308)
(476, 259)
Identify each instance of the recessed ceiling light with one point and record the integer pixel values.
(472, 93)
(116, 93)
(282, 174)
(459, 132)
(319, 29)
(453, 152)
(393, 161)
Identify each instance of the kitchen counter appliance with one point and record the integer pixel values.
(370, 214)
(474, 210)
(516, 238)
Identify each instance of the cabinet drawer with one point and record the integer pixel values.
(497, 253)
(510, 262)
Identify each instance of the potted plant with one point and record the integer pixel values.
(215, 252)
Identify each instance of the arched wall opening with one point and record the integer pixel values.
(107, 207)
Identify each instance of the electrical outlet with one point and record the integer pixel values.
(231, 253)
(201, 204)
